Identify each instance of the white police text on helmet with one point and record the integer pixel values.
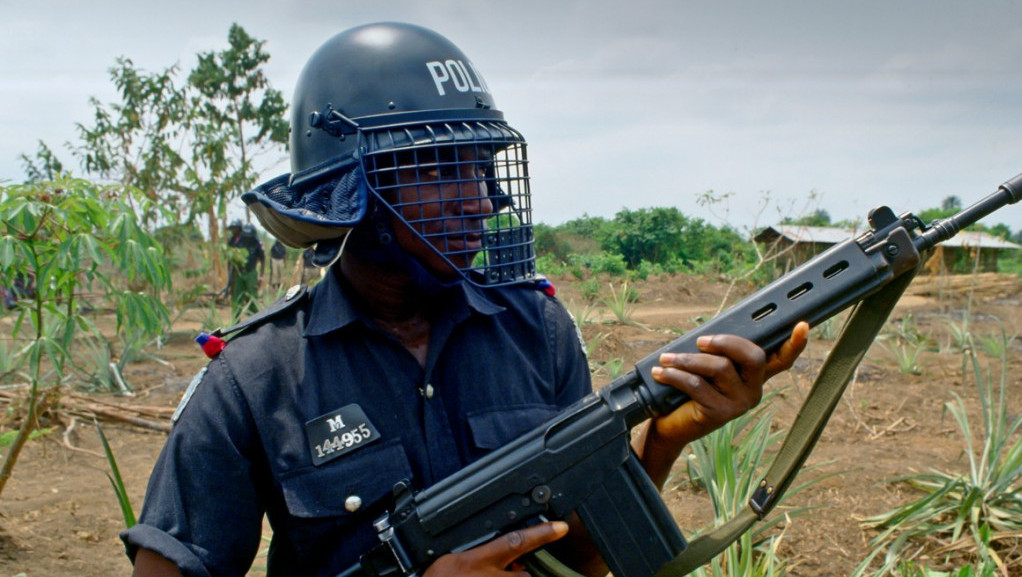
(463, 77)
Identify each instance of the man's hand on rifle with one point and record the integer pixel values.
(499, 556)
(724, 380)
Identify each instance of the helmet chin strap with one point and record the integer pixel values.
(328, 251)
(373, 242)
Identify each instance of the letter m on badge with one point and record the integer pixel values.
(335, 423)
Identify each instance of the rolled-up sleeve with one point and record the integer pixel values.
(203, 508)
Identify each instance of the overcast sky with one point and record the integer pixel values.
(634, 103)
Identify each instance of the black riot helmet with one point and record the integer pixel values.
(394, 115)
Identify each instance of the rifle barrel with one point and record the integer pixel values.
(940, 230)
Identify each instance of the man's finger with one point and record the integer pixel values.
(789, 351)
(746, 355)
(513, 545)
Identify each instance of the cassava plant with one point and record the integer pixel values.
(62, 240)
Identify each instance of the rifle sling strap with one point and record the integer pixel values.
(865, 322)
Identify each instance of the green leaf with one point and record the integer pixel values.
(117, 482)
(7, 437)
(9, 247)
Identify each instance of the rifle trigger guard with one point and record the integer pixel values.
(762, 499)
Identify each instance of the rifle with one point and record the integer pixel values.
(580, 461)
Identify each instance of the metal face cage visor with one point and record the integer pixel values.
(463, 189)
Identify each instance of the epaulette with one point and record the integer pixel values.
(213, 343)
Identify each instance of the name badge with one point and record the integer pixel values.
(339, 432)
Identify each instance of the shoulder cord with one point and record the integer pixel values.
(861, 328)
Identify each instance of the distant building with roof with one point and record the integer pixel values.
(797, 244)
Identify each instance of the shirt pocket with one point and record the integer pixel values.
(494, 428)
(346, 486)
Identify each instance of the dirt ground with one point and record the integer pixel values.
(58, 514)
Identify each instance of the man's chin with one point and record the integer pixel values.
(443, 270)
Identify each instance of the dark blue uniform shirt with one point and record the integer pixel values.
(500, 361)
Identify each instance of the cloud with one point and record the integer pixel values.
(634, 103)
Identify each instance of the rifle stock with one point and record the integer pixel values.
(581, 461)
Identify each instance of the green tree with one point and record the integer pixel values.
(45, 165)
(189, 146)
(951, 204)
(136, 141)
(948, 206)
(653, 235)
(66, 237)
(585, 225)
(1000, 230)
(237, 117)
(818, 217)
(716, 249)
(550, 243)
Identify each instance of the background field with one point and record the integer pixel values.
(59, 515)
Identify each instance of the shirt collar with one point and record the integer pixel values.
(331, 309)
(476, 298)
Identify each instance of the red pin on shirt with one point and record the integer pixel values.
(211, 344)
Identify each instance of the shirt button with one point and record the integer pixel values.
(353, 503)
(428, 392)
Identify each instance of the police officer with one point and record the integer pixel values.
(245, 267)
(277, 255)
(428, 343)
